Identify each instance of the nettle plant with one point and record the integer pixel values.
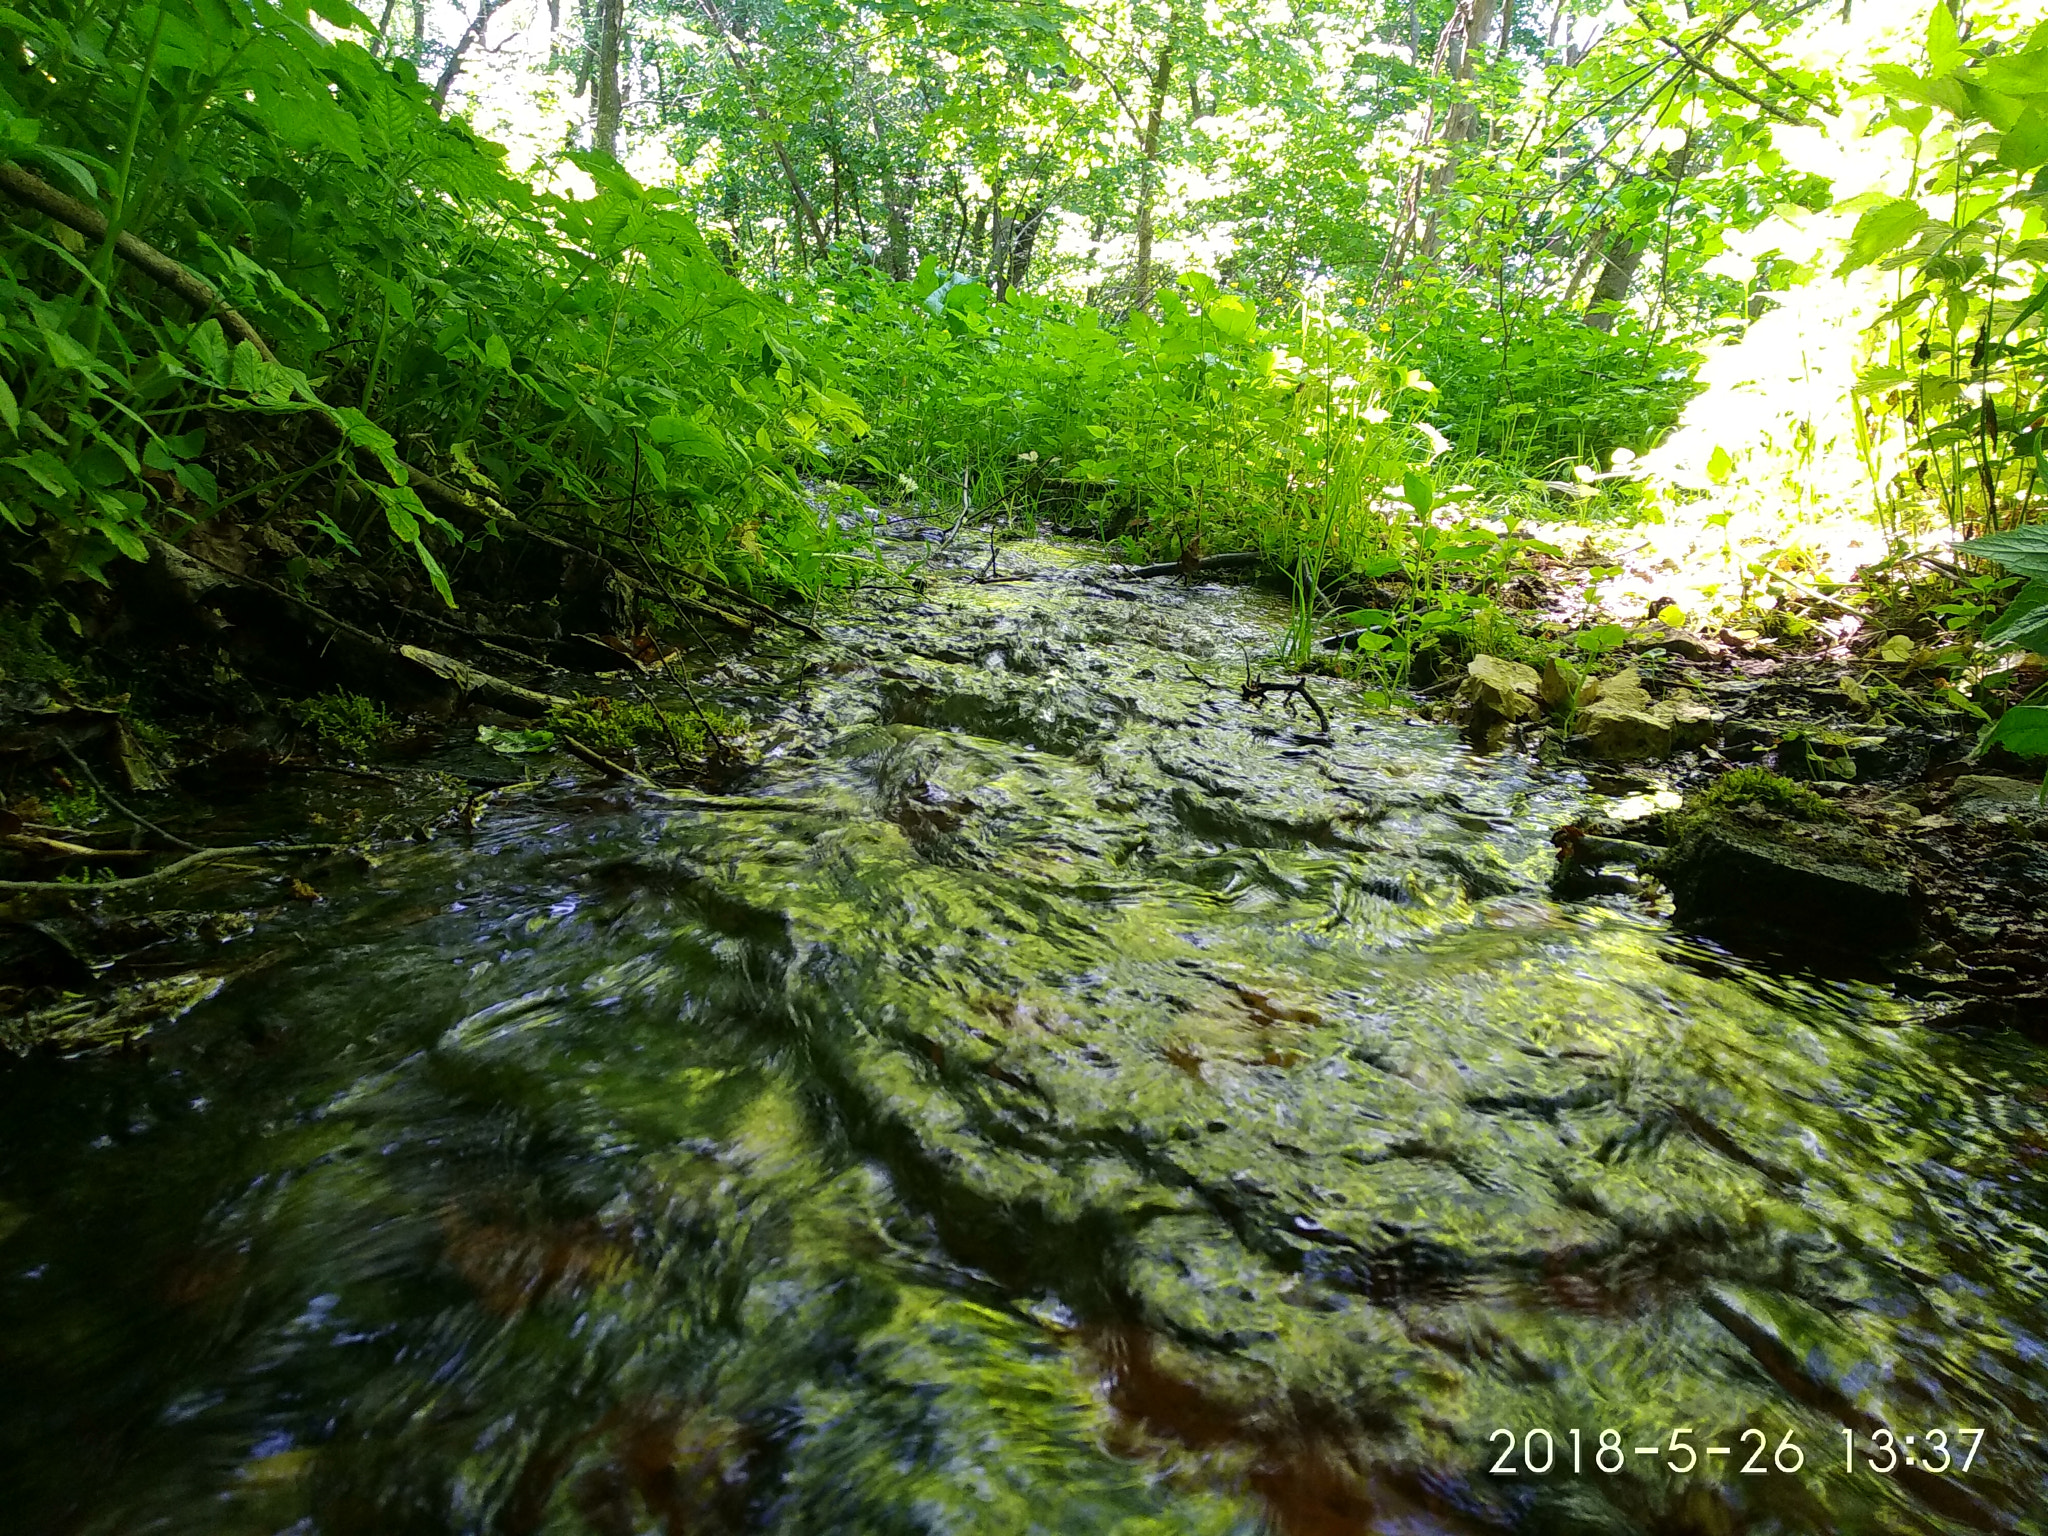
(1964, 362)
(327, 252)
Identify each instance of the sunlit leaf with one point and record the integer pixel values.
(2022, 730)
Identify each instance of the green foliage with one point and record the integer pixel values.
(2021, 730)
(1529, 389)
(1195, 431)
(26, 654)
(590, 354)
(2024, 624)
(621, 730)
(1964, 371)
(345, 721)
(79, 806)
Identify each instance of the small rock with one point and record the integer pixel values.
(1722, 876)
(1682, 643)
(1496, 690)
(1616, 730)
(1978, 796)
(1624, 688)
(1693, 724)
(1560, 684)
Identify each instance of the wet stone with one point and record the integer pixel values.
(1820, 887)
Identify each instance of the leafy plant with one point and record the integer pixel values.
(346, 721)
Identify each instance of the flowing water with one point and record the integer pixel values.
(1074, 1099)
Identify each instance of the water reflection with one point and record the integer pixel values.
(1107, 1107)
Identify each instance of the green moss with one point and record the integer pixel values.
(346, 721)
(617, 730)
(72, 807)
(1759, 787)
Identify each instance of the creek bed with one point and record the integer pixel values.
(1078, 1099)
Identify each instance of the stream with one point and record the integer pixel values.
(1074, 1099)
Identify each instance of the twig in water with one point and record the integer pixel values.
(599, 761)
(203, 856)
(141, 821)
(1256, 692)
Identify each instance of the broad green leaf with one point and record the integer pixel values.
(1420, 490)
(210, 346)
(691, 439)
(47, 470)
(2025, 144)
(1881, 230)
(123, 538)
(1233, 317)
(515, 743)
(198, 479)
(2022, 730)
(2024, 550)
(497, 354)
(1944, 51)
(10, 409)
(397, 295)
(2023, 625)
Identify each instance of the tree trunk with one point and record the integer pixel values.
(1617, 272)
(1024, 243)
(606, 105)
(473, 33)
(1162, 77)
(1463, 117)
(1625, 252)
(807, 212)
(899, 203)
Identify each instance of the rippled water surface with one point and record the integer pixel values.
(1077, 1100)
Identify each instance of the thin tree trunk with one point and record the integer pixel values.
(899, 202)
(1162, 77)
(1463, 118)
(1507, 30)
(383, 26)
(806, 210)
(1024, 242)
(473, 33)
(1625, 254)
(605, 103)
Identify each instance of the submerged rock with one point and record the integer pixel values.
(1812, 885)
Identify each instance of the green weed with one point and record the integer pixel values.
(345, 721)
(622, 730)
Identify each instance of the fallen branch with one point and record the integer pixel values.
(1235, 562)
(1258, 692)
(203, 856)
(141, 821)
(604, 764)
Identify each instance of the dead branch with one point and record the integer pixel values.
(203, 856)
(1234, 562)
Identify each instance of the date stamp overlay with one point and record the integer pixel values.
(1542, 1452)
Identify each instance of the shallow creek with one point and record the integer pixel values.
(1076, 1099)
